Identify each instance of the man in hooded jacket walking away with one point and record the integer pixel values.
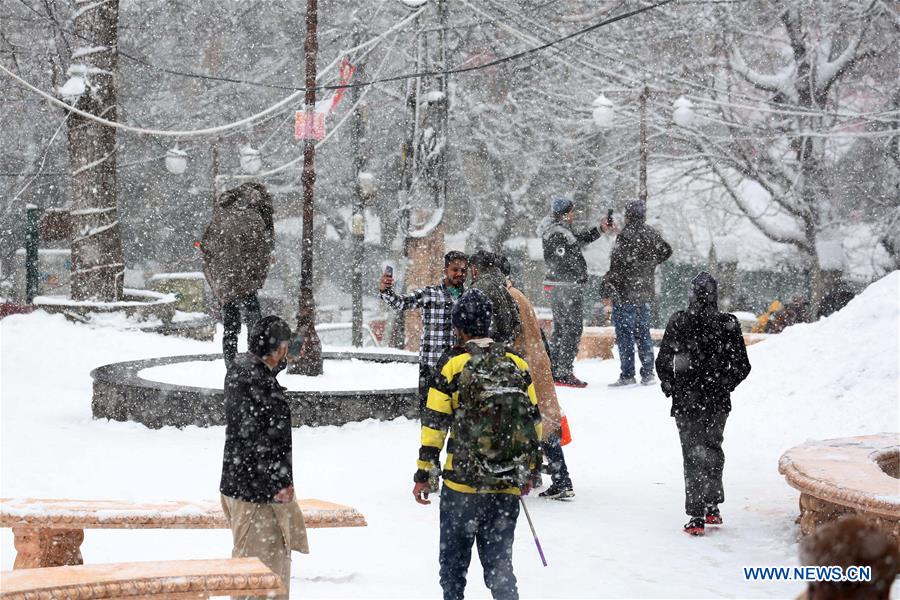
(564, 283)
(629, 288)
(702, 360)
(236, 250)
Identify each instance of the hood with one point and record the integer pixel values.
(704, 294)
(550, 225)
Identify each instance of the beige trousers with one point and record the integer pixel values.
(268, 532)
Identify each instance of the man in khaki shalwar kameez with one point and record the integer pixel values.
(257, 483)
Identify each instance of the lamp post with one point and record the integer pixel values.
(310, 360)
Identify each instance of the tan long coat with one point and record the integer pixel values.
(530, 345)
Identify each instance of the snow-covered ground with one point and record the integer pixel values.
(621, 536)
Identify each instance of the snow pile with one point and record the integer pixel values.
(844, 364)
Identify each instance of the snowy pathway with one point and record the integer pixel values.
(620, 536)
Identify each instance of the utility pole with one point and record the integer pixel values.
(310, 360)
(358, 217)
(642, 186)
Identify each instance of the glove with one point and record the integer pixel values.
(666, 388)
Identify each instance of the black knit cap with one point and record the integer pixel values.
(267, 334)
(472, 313)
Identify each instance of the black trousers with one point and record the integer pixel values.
(424, 383)
(239, 308)
(567, 303)
(704, 461)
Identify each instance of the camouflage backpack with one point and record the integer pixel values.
(496, 445)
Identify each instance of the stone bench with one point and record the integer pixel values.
(157, 579)
(856, 475)
(598, 342)
(48, 533)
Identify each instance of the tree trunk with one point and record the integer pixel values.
(98, 268)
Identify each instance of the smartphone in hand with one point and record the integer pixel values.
(389, 270)
(609, 218)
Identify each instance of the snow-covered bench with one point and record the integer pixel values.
(157, 579)
(598, 342)
(48, 533)
(857, 475)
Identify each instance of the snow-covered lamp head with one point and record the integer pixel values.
(683, 115)
(251, 162)
(176, 160)
(367, 185)
(603, 111)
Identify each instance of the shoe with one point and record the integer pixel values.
(694, 527)
(556, 492)
(713, 517)
(570, 381)
(622, 382)
(648, 379)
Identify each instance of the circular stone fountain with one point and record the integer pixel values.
(187, 390)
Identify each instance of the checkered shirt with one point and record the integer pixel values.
(437, 331)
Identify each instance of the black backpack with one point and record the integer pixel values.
(496, 444)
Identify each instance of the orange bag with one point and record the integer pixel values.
(565, 434)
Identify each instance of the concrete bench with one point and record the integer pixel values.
(48, 533)
(857, 475)
(165, 579)
(598, 342)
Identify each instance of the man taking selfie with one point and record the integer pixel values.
(436, 302)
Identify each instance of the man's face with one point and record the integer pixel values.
(569, 216)
(455, 273)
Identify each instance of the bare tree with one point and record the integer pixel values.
(98, 267)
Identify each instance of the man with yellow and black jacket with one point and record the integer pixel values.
(470, 513)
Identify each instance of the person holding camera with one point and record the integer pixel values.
(628, 289)
(564, 284)
(436, 302)
(257, 484)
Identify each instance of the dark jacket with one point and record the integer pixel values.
(562, 251)
(257, 461)
(237, 245)
(632, 264)
(702, 359)
(505, 322)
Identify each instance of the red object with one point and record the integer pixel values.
(565, 436)
(8, 308)
(694, 530)
(713, 520)
(377, 328)
(346, 73)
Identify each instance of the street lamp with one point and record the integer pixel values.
(683, 113)
(250, 159)
(603, 111)
(176, 160)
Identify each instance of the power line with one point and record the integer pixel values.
(296, 94)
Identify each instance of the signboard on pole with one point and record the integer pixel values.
(309, 125)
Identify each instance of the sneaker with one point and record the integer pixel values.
(556, 492)
(648, 379)
(570, 381)
(622, 382)
(694, 526)
(713, 517)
